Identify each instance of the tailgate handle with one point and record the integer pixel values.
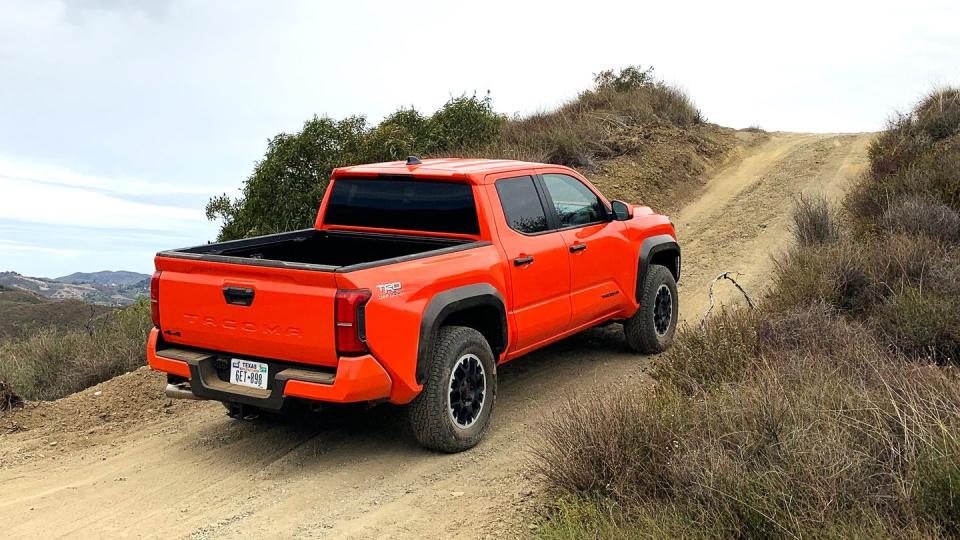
(238, 296)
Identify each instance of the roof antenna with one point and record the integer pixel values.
(413, 160)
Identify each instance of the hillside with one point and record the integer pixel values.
(831, 409)
(118, 278)
(22, 311)
(104, 288)
(731, 224)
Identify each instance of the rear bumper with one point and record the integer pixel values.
(355, 379)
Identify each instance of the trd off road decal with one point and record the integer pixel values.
(390, 289)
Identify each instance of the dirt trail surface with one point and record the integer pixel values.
(120, 460)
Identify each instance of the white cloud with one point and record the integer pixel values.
(26, 171)
(41, 203)
(10, 248)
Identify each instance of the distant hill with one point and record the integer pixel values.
(22, 311)
(104, 288)
(105, 277)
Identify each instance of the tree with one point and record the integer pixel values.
(287, 185)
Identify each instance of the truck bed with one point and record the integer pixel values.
(325, 250)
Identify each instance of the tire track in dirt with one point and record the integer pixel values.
(194, 473)
(741, 221)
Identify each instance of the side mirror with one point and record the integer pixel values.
(621, 210)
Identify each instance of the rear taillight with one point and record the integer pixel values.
(349, 314)
(155, 298)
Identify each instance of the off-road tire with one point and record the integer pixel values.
(641, 328)
(429, 414)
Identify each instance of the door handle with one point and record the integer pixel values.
(577, 247)
(521, 261)
(238, 296)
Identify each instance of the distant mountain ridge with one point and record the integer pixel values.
(106, 288)
(105, 277)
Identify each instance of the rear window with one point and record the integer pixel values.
(406, 204)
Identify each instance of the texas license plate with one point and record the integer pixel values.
(247, 373)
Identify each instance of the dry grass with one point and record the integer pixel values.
(814, 221)
(643, 144)
(8, 398)
(789, 438)
(605, 122)
(904, 287)
(922, 215)
(918, 154)
(832, 411)
(52, 363)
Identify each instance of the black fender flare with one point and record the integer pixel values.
(451, 301)
(648, 249)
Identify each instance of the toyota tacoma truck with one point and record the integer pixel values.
(418, 279)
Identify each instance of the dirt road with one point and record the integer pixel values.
(125, 463)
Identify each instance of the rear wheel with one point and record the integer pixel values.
(453, 411)
(650, 330)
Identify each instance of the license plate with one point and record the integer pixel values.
(247, 373)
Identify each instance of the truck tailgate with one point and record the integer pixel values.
(248, 310)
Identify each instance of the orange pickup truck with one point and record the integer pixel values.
(416, 282)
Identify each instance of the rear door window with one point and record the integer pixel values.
(403, 204)
(521, 205)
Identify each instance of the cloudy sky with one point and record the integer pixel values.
(119, 119)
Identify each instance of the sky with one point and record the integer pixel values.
(120, 119)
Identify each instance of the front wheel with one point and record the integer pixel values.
(650, 330)
(453, 410)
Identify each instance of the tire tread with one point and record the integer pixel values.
(428, 412)
(638, 329)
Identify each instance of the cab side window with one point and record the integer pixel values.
(521, 205)
(576, 204)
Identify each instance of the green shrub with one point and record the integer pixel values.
(404, 133)
(52, 363)
(464, 122)
(287, 185)
(624, 80)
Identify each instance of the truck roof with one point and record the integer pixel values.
(473, 170)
